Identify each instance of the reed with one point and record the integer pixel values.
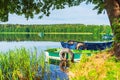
(21, 64)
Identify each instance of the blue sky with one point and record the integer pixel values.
(82, 14)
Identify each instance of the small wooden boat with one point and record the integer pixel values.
(96, 45)
(54, 54)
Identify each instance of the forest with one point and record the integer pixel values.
(70, 28)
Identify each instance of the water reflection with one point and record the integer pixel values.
(57, 74)
(64, 66)
(50, 37)
(29, 41)
(59, 69)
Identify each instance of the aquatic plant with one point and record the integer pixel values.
(21, 64)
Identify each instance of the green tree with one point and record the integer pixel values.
(29, 8)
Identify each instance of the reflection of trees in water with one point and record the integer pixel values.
(18, 37)
(77, 37)
(27, 35)
(48, 37)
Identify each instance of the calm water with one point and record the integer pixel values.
(50, 37)
(40, 45)
(29, 41)
(12, 41)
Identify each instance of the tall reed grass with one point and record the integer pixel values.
(21, 64)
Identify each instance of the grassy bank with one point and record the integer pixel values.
(68, 33)
(49, 33)
(20, 64)
(101, 66)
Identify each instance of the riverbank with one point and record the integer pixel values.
(43, 33)
(102, 66)
(89, 33)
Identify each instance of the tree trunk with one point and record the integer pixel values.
(113, 10)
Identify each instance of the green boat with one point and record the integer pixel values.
(54, 54)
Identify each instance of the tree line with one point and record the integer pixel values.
(75, 28)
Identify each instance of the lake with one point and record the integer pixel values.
(29, 41)
(41, 43)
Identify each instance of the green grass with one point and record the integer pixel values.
(101, 66)
(20, 64)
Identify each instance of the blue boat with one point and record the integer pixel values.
(96, 45)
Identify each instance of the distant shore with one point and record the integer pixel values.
(48, 33)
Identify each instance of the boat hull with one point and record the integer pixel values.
(89, 45)
(54, 54)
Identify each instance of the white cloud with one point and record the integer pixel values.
(82, 14)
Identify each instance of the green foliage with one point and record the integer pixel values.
(29, 8)
(52, 50)
(31, 32)
(99, 5)
(21, 64)
(96, 68)
(92, 73)
(77, 28)
(84, 58)
(116, 29)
